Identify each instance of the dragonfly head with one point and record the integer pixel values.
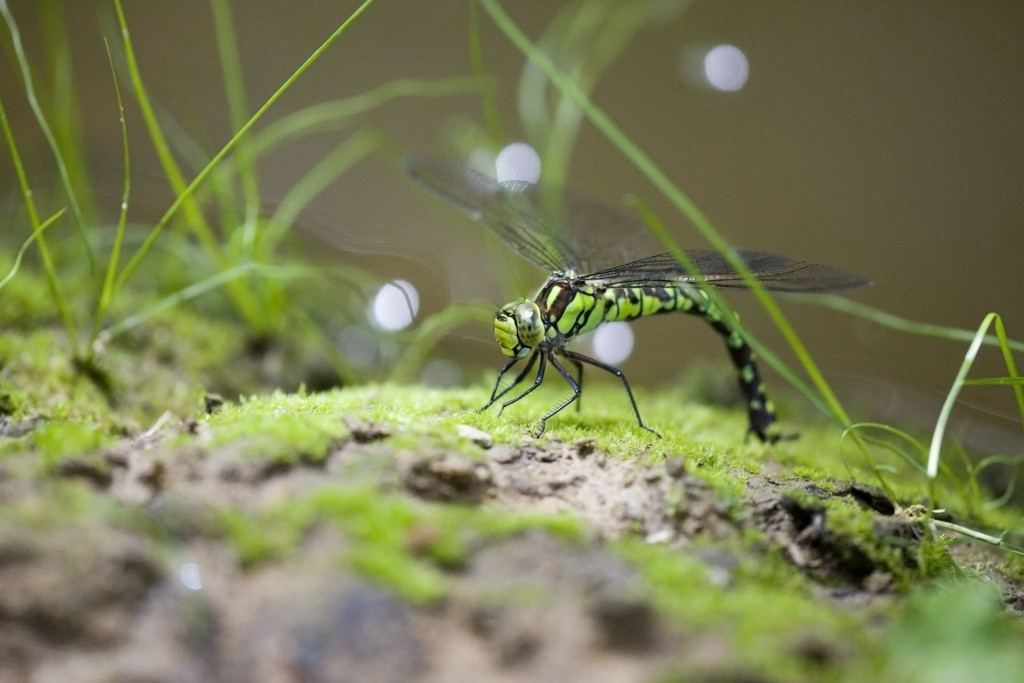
(518, 327)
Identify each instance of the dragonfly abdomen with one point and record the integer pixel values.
(630, 303)
(573, 308)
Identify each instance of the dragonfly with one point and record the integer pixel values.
(595, 276)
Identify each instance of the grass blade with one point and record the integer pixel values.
(63, 310)
(107, 289)
(326, 115)
(344, 156)
(27, 243)
(683, 203)
(186, 193)
(992, 319)
(895, 322)
(37, 110)
(227, 50)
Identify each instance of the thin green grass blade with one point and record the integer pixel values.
(895, 322)
(431, 331)
(56, 291)
(683, 203)
(1013, 462)
(66, 105)
(193, 212)
(202, 287)
(55, 149)
(227, 50)
(992, 319)
(862, 439)
(476, 59)
(332, 115)
(1011, 366)
(605, 27)
(107, 289)
(27, 243)
(997, 541)
(995, 382)
(190, 207)
(185, 194)
(319, 178)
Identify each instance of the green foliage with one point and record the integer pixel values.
(954, 632)
(206, 248)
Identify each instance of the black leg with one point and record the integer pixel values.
(572, 383)
(579, 381)
(536, 381)
(495, 394)
(580, 358)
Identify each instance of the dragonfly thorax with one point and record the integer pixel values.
(518, 327)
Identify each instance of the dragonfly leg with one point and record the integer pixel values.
(579, 381)
(572, 383)
(495, 394)
(580, 358)
(536, 382)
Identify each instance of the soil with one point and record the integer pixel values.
(94, 599)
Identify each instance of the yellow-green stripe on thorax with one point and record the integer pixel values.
(573, 308)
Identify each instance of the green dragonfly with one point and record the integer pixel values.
(590, 250)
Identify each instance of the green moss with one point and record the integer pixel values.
(60, 504)
(38, 378)
(1013, 566)
(763, 609)
(53, 439)
(858, 537)
(278, 429)
(399, 542)
(56, 504)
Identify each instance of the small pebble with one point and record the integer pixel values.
(660, 536)
(477, 436)
(505, 454)
(675, 467)
(584, 446)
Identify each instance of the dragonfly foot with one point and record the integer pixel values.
(771, 435)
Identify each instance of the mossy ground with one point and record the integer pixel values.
(394, 530)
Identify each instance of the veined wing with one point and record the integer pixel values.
(560, 229)
(583, 235)
(511, 210)
(776, 273)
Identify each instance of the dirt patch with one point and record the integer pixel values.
(167, 598)
(662, 503)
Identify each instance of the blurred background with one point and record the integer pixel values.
(884, 138)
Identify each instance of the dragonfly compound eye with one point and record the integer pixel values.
(518, 328)
(505, 332)
(528, 323)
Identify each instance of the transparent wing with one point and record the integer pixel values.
(564, 230)
(776, 273)
(557, 229)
